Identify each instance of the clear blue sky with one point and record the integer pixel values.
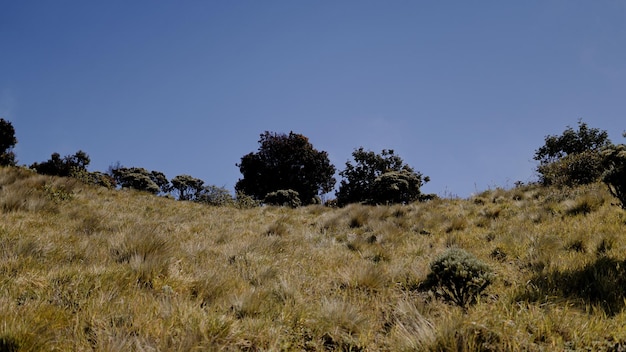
(464, 91)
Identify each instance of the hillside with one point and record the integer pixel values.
(87, 268)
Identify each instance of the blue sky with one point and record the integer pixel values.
(463, 91)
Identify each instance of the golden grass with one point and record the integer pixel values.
(86, 268)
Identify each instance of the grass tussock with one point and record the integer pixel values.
(87, 268)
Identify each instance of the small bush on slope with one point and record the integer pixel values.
(459, 277)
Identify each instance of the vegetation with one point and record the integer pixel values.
(459, 277)
(286, 162)
(615, 171)
(573, 158)
(7, 142)
(141, 179)
(379, 179)
(89, 268)
(57, 166)
(283, 197)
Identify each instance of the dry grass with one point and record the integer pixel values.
(84, 268)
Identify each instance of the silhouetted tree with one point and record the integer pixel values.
(140, 179)
(57, 166)
(615, 171)
(286, 162)
(573, 158)
(216, 196)
(7, 142)
(572, 142)
(379, 179)
(187, 187)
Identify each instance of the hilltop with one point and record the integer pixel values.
(88, 268)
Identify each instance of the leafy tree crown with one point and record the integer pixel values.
(286, 161)
(7, 142)
(379, 179)
(572, 142)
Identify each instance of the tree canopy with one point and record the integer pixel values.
(57, 166)
(572, 142)
(614, 176)
(141, 179)
(7, 142)
(573, 158)
(286, 162)
(379, 179)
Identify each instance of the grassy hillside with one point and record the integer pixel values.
(86, 268)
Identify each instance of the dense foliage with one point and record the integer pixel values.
(573, 158)
(7, 142)
(283, 197)
(615, 173)
(286, 162)
(187, 187)
(141, 179)
(57, 166)
(379, 179)
(459, 277)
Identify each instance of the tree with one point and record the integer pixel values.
(7, 142)
(286, 162)
(66, 166)
(572, 142)
(283, 197)
(140, 179)
(216, 196)
(615, 174)
(379, 179)
(187, 187)
(572, 158)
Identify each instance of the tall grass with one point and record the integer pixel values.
(86, 268)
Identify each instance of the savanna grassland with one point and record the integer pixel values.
(87, 268)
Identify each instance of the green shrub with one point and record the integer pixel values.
(572, 170)
(459, 277)
(379, 179)
(283, 197)
(216, 196)
(615, 175)
(57, 166)
(244, 201)
(7, 142)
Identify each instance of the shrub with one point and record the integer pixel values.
(286, 162)
(615, 175)
(283, 197)
(187, 187)
(572, 170)
(459, 277)
(216, 196)
(66, 166)
(572, 158)
(136, 178)
(141, 179)
(7, 142)
(379, 179)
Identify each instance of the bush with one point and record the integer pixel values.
(379, 179)
(286, 162)
(65, 167)
(283, 197)
(615, 175)
(216, 196)
(7, 142)
(136, 178)
(459, 277)
(572, 170)
(94, 178)
(572, 158)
